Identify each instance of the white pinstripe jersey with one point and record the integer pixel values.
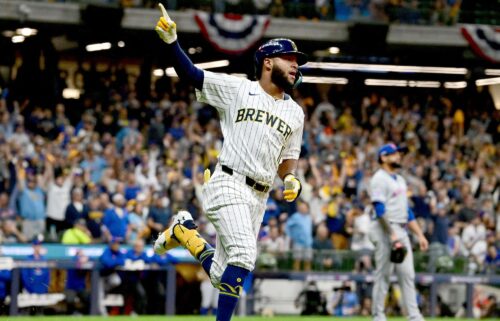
(390, 190)
(259, 131)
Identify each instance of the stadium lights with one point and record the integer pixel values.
(27, 32)
(492, 72)
(455, 84)
(402, 83)
(158, 73)
(98, 46)
(488, 81)
(424, 84)
(203, 65)
(386, 68)
(71, 93)
(18, 39)
(333, 50)
(325, 80)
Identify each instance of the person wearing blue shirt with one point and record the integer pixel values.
(76, 285)
(345, 301)
(31, 200)
(36, 280)
(5, 276)
(94, 164)
(299, 229)
(116, 218)
(111, 259)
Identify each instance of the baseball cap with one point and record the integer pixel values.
(116, 239)
(37, 240)
(389, 149)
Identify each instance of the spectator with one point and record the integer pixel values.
(492, 260)
(58, 187)
(31, 204)
(93, 164)
(454, 240)
(36, 280)
(359, 217)
(6, 211)
(474, 242)
(78, 234)
(137, 224)
(441, 223)
(159, 215)
(94, 219)
(323, 247)
(77, 209)
(299, 228)
(10, 233)
(116, 219)
(76, 291)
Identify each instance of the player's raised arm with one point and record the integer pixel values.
(167, 30)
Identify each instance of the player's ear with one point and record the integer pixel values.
(267, 63)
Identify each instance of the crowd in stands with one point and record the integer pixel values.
(434, 12)
(115, 165)
(122, 166)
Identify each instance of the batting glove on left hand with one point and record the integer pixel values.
(166, 28)
(292, 188)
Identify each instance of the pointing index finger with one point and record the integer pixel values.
(164, 12)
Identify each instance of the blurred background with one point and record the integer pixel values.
(101, 144)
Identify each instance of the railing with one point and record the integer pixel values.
(428, 279)
(432, 261)
(94, 268)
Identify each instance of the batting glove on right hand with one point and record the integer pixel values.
(166, 28)
(292, 188)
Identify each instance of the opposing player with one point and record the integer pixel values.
(262, 128)
(390, 236)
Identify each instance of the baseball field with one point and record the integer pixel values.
(197, 317)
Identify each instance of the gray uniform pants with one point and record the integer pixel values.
(404, 271)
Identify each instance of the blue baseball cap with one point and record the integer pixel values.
(117, 239)
(37, 240)
(389, 149)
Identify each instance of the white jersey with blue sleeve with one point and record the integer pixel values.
(390, 190)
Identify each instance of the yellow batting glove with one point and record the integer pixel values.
(292, 188)
(165, 27)
(206, 175)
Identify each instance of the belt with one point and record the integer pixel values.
(248, 180)
(403, 225)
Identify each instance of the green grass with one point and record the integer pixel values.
(192, 318)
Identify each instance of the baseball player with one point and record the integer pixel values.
(389, 234)
(262, 128)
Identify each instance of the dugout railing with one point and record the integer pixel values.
(94, 269)
(431, 280)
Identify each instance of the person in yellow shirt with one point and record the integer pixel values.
(78, 234)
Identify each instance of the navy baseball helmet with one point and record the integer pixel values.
(277, 47)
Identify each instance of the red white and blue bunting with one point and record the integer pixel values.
(232, 33)
(484, 40)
